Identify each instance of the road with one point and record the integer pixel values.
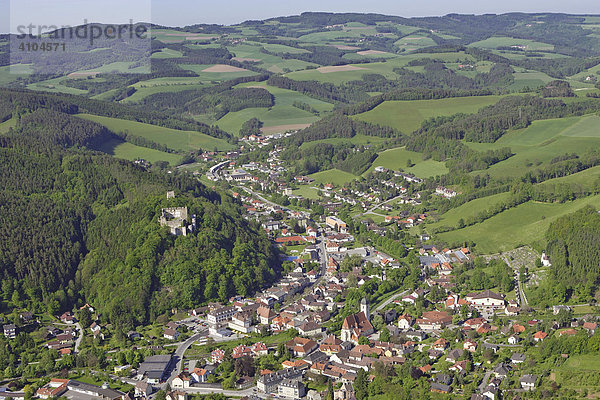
(178, 356)
(228, 393)
(375, 207)
(258, 196)
(79, 337)
(484, 381)
(388, 301)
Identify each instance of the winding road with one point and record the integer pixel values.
(388, 301)
(178, 356)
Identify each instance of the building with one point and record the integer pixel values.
(528, 381)
(486, 301)
(293, 389)
(175, 219)
(241, 322)
(357, 325)
(434, 320)
(269, 383)
(405, 321)
(170, 334)
(54, 388)
(154, 368)
(336, 224)
(181, 381)
(220, 315)
(143, 389)
(10, 331)
(301, 347)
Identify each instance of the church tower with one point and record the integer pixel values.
(364, 307)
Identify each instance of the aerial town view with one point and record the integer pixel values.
(261, 200)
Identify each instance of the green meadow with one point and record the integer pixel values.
(397, 159)
(521, 225)
(172, 138)
(503, 41)
(536, 145)
(278, 115)
(335, 176)
(132, 152)
(407, 116)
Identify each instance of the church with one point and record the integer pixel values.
(357, 325)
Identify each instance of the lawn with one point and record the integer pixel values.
(521, 225)
(172, 138)
(335, 176)
(132, 152)
(397, 158)
(407, 116)
(307, 192)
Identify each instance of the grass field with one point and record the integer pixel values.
(539, 143)
(407, 116)
(469, 209)
(307, 192)
(275, 116)
(6, 125)
(285, 97)
(172, 138)
(524, 224)
(532, 79)
(397, 158)
(252, 51)
(335, 176)
(385, 68)
(503, 41)
(132, 152)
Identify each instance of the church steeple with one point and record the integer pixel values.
(364, 307)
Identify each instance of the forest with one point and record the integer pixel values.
(77, 222)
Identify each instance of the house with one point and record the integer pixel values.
(470, 345)
(54, 388)
(440, 344)
(539, 336)
(259, 349)
(26, 316)
(434, 320)
(559, 308)
(309, 329)
(590, 327)
(528, 381)
(460, 366)
(143, 389)
(336, 224)
(454, 355)
(513, 339)
(518, 358)
(405, 321)
(440, 388)
(10, 331)
(501, 370)
(67, 318)
(177, 395)
(301, 347)
(170, 334)
(241, 322)
(201, 374)
(181, 381)
(217, 355)
(269, 383)
(545, 260)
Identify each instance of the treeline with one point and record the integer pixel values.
(409, 94)
(574, 248)
(11, 101)
(209, 99)
(341, 126)
(513, 112)
(232, 100)
(320, 90)
(317, 157)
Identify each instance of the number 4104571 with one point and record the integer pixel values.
(32, 46)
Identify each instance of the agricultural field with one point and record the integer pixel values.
(131, 152)
(521, 225)
(172, 138)
(285, 97)
(335, 176)
(543, 140)
(503, 41)
(278, 118)
(531, 79)
(407, 116)
(397, 159)
(217, 73)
